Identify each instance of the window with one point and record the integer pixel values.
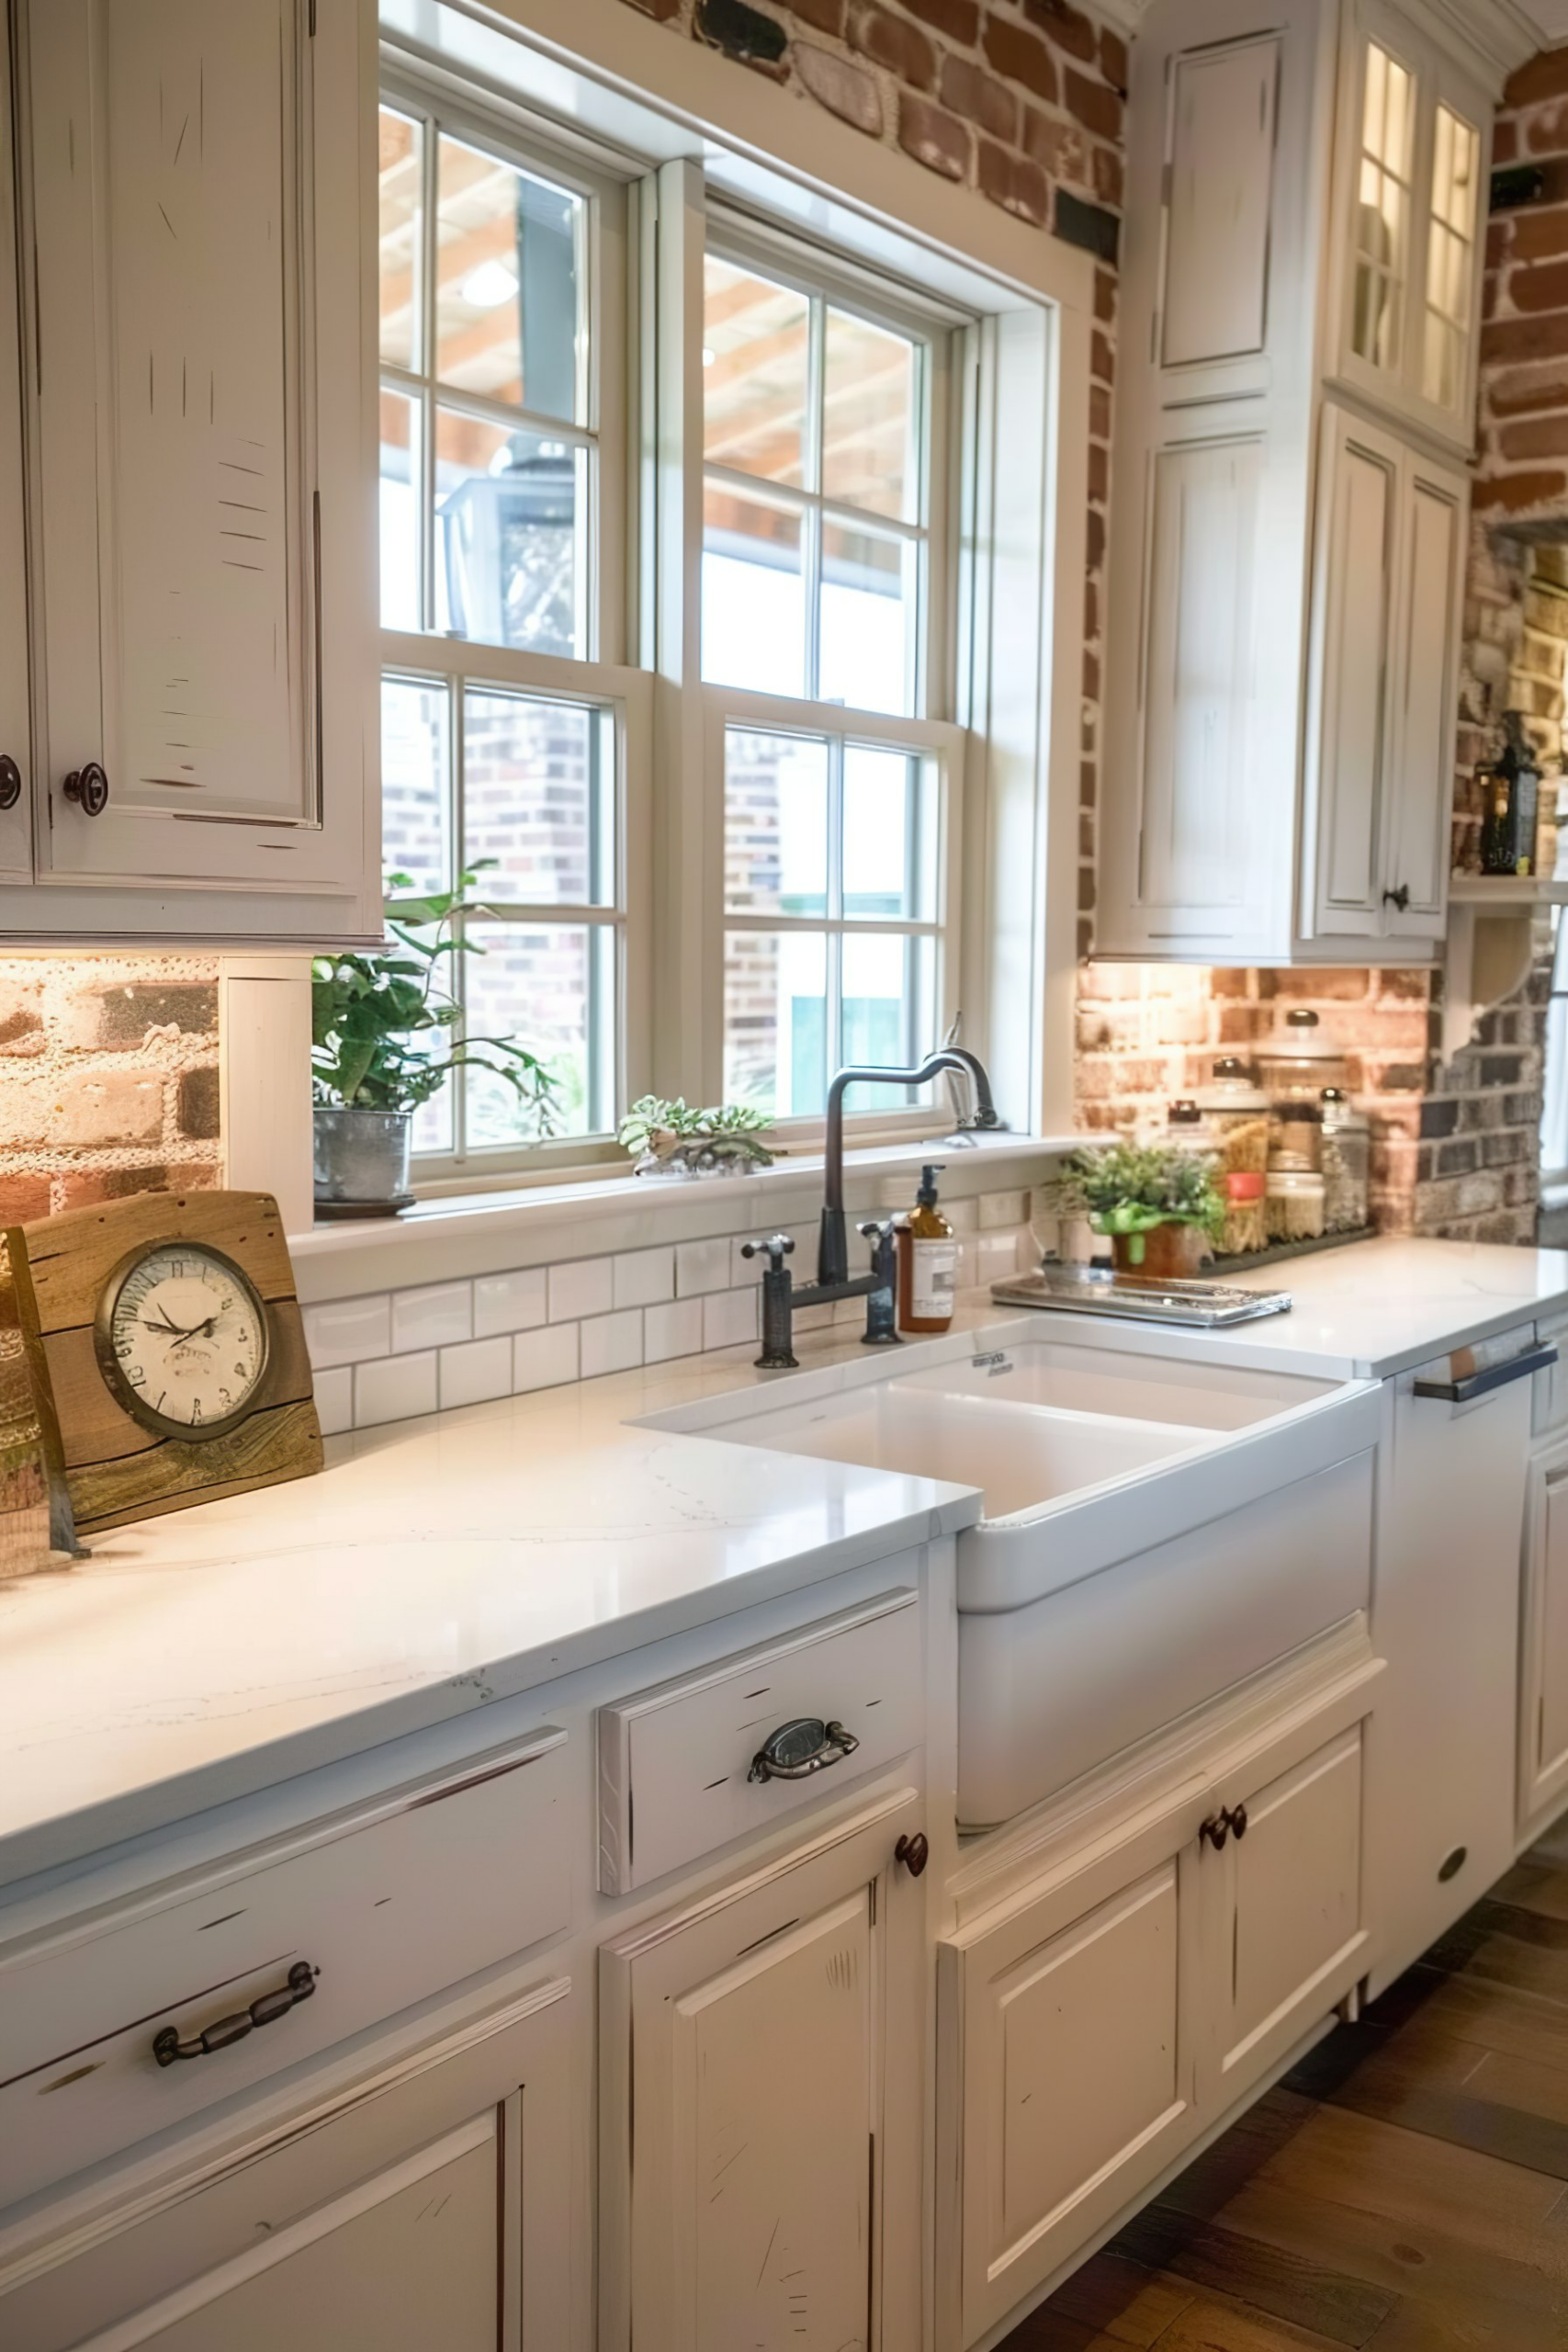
(800, 484)
(1456, 153)
(1382, 212)
(506, 742)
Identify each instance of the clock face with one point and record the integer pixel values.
(182, 1337)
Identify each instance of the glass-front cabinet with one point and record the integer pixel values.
(1413, 157)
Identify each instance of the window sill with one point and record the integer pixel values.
(474, 1233)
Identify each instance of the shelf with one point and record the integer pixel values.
(1508, 892)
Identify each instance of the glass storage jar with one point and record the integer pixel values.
(1232, 1096)
(1295, 1204)
(1300, 1059)
(1346, 1163)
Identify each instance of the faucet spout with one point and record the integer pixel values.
(833, 1246)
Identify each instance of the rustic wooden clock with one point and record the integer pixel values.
(174, 1349)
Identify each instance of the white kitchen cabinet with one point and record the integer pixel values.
(1287, 546)
(1388, 585)
(194, 181)
(1543, 1691)
(16, 735)
(766, 2038)
(1130, 1989)
(418, 2201)
(1411, 176)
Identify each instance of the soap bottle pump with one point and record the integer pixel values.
(928, 1262)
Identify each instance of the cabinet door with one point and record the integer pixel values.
(1283, 1906)
(1543, 1696)
(15, 741)
(1219, 203)
(1412, 162)
(1067, 2069)
(1435, 505)
(424, 2204)
(193, 176)
(767, 2041)
(1359, 504)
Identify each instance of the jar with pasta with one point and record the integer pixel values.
(1295, 1204)
(1346, 1163)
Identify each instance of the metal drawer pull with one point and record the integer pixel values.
(1478, 1383)
(264, 2010)
(799, 1749)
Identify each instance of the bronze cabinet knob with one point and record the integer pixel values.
(10, 781)
(89, 787)
(913, 1852)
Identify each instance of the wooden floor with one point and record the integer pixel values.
(1406, 2187)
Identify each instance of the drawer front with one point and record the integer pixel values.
(1549, 1413)
(385, 1904)
(674, 1760)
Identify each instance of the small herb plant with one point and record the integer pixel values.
(1130, 1188)
(657, 1129)
(382, 1024)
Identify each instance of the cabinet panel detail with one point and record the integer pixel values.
(1356, 585)
(1422, 785)
(1202, 542)
(1220, 179)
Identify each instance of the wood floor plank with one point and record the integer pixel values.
(1219, 2323)
(1486, 2201)
(1425, 2081)
(1536, 1886)
(1129, 2303)
(1317, 2296)
(1517, 2024)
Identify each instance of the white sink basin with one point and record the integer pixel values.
(1098, 1380)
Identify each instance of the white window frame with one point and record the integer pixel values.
(1010, 648)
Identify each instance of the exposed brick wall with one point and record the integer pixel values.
(108, 1078)
(1021, 100)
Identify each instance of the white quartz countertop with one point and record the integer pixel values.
(438, 1565)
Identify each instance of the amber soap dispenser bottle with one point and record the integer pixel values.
(927, 1262)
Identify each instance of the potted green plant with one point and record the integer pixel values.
(668, 1138)
(382, 1033)
(1160, 1207)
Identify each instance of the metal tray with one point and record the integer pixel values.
(1095, 1290)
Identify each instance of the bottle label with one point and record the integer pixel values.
(933, 1280)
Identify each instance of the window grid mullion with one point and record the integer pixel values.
(461, 860)
(429, 246)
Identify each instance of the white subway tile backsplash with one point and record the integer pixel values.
(675, 1330)
(544, 1359)
(475, 1370)
(962, 1216)
(729, 1317)
(348, 1330)
(334, 1399)
(395, 1389)
(509, 1302)
(995, 1255)
(583, 1286)
(611, 1342)
(998, 1209)
(645, 1277)
(702, 1266)
(436, 1317)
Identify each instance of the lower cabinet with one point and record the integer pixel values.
(766, 2040)
(1543, 1692)
(1096, 2022)
(423, 2205)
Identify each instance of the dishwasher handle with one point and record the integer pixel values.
(1496, 1375)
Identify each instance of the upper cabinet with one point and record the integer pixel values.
(200, 534)
(16, 734)
(1301, 300)
(1411, 157)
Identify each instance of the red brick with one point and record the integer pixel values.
(1542, 287)
(1022, 56)
(888, 41)
(1087, 784)
(1067, 27)
(1546, 133)
(959, 19)
(1114, 60)
(1104, 296)
(1499, 245)
(1535, 437)
(1538, 234)
(1057, 147)
(1017, 185)
(1516, 493)
(1544, 337)
(80, 1188)
(1091, 677)
(1094, 542)
(934, 137)
(980, 98)
(1099, 473)
(1097, 108)
(1090, 605)
(22, 1198)
(1110, 176)
(1522, 391)
(1100, 412)
(844, 89)
(1102, 359)
(662, 10)
(822, 16)
(1544, 76)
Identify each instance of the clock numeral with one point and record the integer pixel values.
(134, 1372)
(195, 1411)
(224, 1397)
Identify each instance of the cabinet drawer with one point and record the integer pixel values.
(1549, 1404)
(675, 1760)
(386, 1904)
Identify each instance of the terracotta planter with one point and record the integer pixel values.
(1172, 1252)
